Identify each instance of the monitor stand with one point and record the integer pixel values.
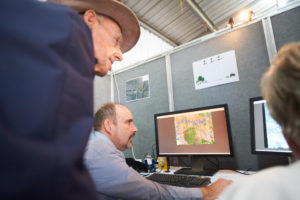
(197, 168)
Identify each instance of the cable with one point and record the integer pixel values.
(115, 79)
(133, 153)
(153, 153)
(244, 173)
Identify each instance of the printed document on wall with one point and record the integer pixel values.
(138, 88)
(216, 70)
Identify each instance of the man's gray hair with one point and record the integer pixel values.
(281, 88)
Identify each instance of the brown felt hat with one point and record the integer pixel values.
(114, 9)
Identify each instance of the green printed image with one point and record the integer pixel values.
(200, 80)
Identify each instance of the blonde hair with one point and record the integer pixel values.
(281, 88)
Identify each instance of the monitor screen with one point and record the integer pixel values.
(266, 134)
(201, 131)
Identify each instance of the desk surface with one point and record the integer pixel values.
(228, 174)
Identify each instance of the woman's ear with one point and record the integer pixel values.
(90, 17)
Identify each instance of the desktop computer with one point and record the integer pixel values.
(266, 134)
(198, 132)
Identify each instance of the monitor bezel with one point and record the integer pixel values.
(225, 106)
(252, 132)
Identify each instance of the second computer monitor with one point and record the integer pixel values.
(266, 134)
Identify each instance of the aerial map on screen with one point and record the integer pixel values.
(194, 129)
(275, 137)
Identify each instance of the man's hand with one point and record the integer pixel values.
(215, 189)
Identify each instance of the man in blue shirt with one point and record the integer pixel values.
(49, 55)
(114, 179)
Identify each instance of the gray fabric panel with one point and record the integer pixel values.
(101, 91)
(143, 110)
(252, 60)
(286, 27)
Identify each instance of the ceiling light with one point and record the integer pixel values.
(246, 16)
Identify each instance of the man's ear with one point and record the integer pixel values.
(107, 126)
(90, 17)
(293, 146)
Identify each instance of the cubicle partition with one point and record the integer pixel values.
(143, 110)
(252, 60)
(286, 27)
(102, 91)
(172, 86)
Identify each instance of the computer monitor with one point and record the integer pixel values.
(266, 134)
(197, 132)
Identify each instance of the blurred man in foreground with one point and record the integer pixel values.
(49, 55)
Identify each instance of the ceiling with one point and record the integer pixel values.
(180, 21)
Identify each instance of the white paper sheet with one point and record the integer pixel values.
(216, 70)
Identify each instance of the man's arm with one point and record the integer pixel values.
(115, 179)
(215, 189)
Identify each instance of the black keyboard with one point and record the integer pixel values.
(180, 180)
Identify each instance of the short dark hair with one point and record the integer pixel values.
(107, 111)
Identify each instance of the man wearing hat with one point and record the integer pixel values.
(49, 55)
(114, 28)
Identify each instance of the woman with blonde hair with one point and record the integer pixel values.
(281, 88)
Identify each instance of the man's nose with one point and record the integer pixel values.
(118, 55)
(135, 129)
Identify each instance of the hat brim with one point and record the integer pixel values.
(116, 10)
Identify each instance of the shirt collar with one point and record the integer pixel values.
(99, 135)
